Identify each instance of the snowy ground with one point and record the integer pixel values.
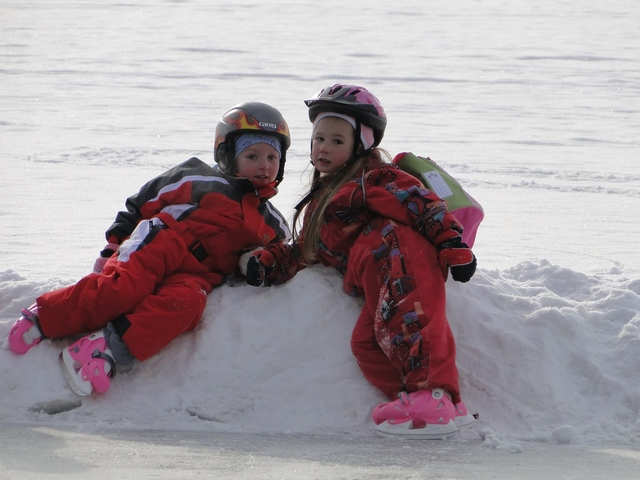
(545, 358)
(124, 454)
(534, 108)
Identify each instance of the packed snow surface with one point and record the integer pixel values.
(533, 107)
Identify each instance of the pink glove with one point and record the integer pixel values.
(105, 254)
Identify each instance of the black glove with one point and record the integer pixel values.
(256, 265)
(455, 255)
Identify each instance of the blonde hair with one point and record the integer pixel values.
(322, 191)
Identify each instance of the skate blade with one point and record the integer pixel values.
(75, 382)
(405, 430)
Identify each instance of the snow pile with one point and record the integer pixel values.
(544, 353)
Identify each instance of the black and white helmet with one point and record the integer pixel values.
(250, 117)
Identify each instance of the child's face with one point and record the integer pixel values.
(332, 144)
(258, 163)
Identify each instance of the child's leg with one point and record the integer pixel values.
(366, 274)
(176, 307)
(430, 362)
(126, 280)
(375, 365)
(398, 272)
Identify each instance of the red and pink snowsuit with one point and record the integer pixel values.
(181, 235)
(381, 231)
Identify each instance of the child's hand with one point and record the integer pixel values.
(457, 256)
(255, 265)
(105, 254)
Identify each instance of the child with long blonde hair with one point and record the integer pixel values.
(394, 242)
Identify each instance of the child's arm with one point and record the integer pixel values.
(175, 186)
(393, 193)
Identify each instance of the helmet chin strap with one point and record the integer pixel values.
(357, 143)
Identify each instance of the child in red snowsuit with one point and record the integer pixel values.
(181, 234)
(394, 242)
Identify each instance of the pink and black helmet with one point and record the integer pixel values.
(352, 100)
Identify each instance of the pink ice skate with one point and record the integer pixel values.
(463, 417)
(25, 333)
(88, 365)
(422, 414)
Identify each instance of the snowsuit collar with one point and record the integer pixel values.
(245, 186)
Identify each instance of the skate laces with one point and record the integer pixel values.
(89, 364)
(30, 313)
(98, 371)
(97, 354)
(91, 349)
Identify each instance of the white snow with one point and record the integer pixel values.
(534, 108)
(545, 353)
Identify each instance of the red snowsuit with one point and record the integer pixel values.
(381, 230)
(181, 235)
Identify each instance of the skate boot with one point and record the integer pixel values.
(422, 414)
(463, 417)
(25, 333)
(88, 365)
